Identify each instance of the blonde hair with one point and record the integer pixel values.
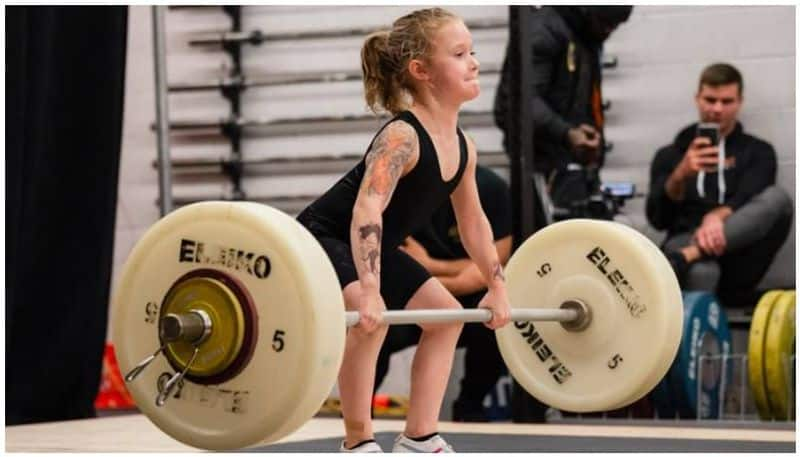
(385, 56)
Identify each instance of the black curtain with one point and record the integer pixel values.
(65, 70)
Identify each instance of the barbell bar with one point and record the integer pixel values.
(274, 338)
(430, 316)
(192, 328)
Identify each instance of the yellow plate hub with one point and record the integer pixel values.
(222, 346)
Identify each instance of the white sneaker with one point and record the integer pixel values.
(366, 446)
(433, 444)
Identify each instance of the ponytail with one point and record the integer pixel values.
(382, 90)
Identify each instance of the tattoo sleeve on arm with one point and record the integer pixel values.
(387, 158)
(370, 245)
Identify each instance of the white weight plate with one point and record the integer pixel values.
(300, 323)
(632, 331)
(669, 283)
(329, 303)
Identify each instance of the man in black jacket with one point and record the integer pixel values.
(725, 218)
(567, 101)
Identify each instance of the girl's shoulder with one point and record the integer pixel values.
(397, 129)
(396, 136)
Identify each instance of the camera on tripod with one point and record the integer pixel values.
(577, 192)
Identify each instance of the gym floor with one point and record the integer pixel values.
(135, 433)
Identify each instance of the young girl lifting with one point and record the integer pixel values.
(421, 71)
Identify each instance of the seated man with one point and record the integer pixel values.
(438, 248)
(725, 218)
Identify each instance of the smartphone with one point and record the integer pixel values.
(709, 130)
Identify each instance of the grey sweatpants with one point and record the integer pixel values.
(753, 233)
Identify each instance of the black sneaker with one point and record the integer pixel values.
(678, 263)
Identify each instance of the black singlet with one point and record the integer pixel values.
(417, 195)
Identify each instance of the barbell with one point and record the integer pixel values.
(229, 322)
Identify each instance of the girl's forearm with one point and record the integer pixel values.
(479, 244)
(366, 233)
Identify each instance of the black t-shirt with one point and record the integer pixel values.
(440, 237)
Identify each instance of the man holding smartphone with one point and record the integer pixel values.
(713, 190)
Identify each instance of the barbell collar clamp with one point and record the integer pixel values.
(175, 380)
(420, 316)
(143, 364)
(193, 327)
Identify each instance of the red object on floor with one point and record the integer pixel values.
(381, 401)
(112, 393)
